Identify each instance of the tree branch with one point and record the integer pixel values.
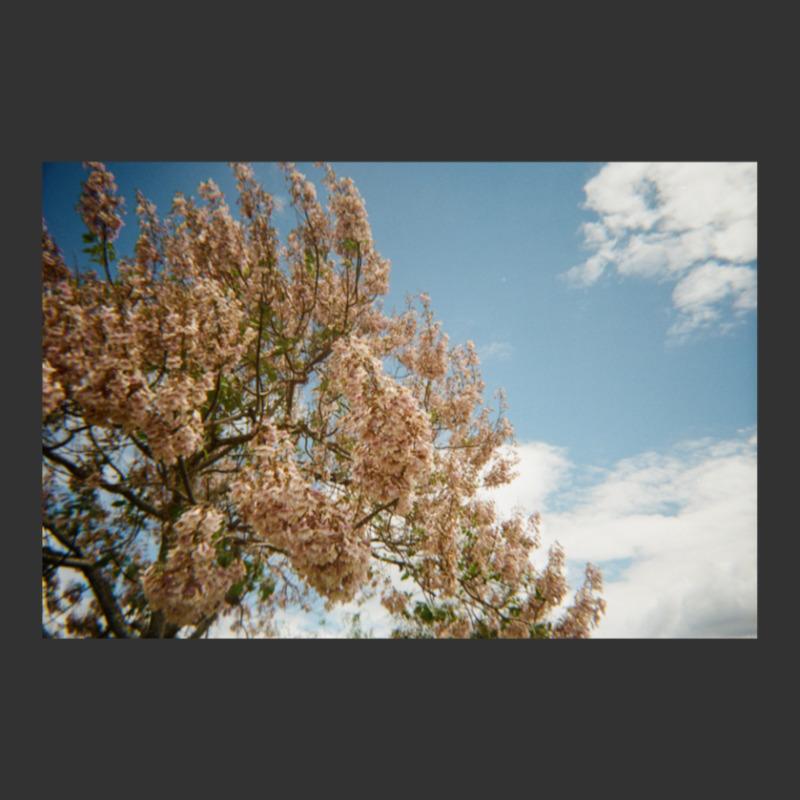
(365, 520)
(186, 482)
(203, 626)
(115, 488)
(64, 559)
(99, 585)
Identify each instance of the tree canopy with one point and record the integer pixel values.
(232, 425)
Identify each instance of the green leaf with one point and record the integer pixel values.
(266, 589)
(472, 571)
(541, 631)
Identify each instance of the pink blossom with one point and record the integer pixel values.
(99, 206)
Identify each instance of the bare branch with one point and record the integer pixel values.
(365, 520)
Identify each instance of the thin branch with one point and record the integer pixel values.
(390, 561)
(234, 418)
(213, 405)
(358, 269)
(301, 427)
(365, 520)
(234, 440)
(142, 505)
(186, 481)
(203, 626)
(203, 465)
(115, 488)
(105, 254)
(102, 453)
(56, 445)
(143, 448)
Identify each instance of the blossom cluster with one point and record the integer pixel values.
(587, 610)
(125, 366)
(311, 528)
(53, 266)
(343, 229)
(99, 206)
(137, 359)
(429, 357)
(52, 393)
(393, 449)
(191, 584)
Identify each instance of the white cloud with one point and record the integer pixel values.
(697, 296)
(692, 224)
(676, 532)
(542, 469)
(500, 351)
(338, 623)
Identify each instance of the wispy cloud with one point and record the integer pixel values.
(675, 533)
(495, 351)
(691, 224)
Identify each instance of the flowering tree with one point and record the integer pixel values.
(231, 425)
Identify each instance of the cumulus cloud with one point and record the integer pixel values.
(675, 534)
(543, 469)
(690, 224)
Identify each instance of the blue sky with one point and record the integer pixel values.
(616, 305)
